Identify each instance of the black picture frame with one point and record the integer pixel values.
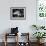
(17, 13)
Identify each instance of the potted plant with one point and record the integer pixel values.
(39, 35)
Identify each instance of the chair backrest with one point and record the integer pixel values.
(24, 37)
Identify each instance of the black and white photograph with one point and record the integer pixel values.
(17, 13)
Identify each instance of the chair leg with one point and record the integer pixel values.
(5, 43)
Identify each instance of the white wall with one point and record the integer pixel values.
(24, 25)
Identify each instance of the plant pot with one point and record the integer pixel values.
(40, 41)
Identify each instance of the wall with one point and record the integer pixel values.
(24, 25)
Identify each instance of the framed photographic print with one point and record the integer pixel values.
(17, 13)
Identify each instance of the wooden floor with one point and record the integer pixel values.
(13, 44)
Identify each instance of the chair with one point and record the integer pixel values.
(14, 32)
(26, 41)
(7, 35)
